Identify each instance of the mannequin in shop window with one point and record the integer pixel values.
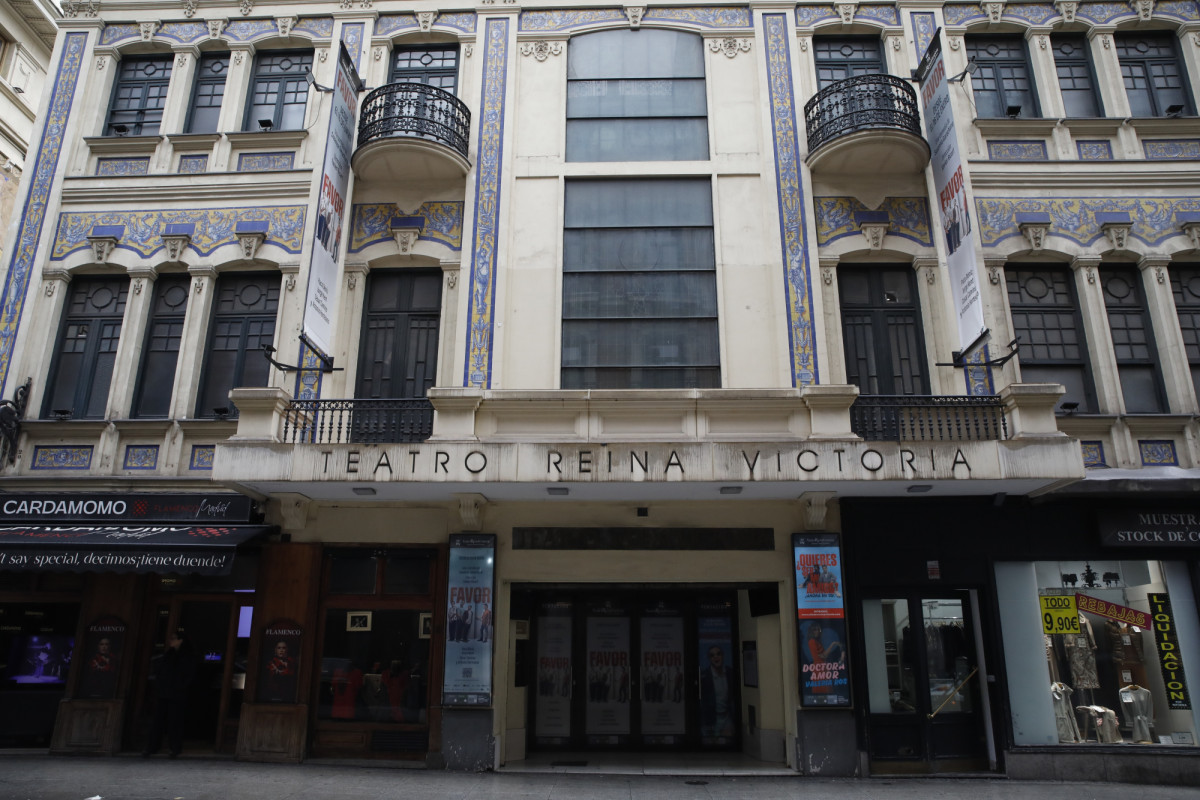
(1137, 709)
(1128, 652)
(1081, 655)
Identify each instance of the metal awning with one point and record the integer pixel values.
(144, 549)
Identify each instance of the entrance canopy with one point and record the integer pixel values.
(182, 549)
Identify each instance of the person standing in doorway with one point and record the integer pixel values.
(173, 676)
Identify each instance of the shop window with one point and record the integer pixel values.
(1185, 286)
(278, 91)
(1105, 629)
(208, 93)
(841, 57)
(161, 350)
(1002, 84)
(87, 348)
(1075, 77)
(1045, 318)
(1155, 83)
(37, 646)
(375, 651)
(1133, 341)
(881, 330)
(243, 320)
(639, 285)
(139, 96)
(636, 95)
(435, 65)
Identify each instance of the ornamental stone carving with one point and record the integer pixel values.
(994, 11)
(1144, 9)
(148, 30)
(189, 8)
(874, 233)
(216, 26)
(181, 60)
(847, 11)
(1117, 233)
(246, 7)
(729, 45)
(1035, 234)
(285, 25)
(1067, 8)
(1192, 230)
(406, 238)
(250, 242)
(80, 8)
(174, 246)
(102, 247)
(425, 20)
(541, 50)
(634, 14)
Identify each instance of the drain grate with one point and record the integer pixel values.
(568, 763)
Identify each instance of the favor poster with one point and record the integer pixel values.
(553, 715)
(469, 604)
(608, 676)
(662, 676)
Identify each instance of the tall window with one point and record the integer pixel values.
(636, 96)
(1133, 340)
(138, 96)
(1045, 317)
(881, 330)
(1075, 78)
(279, 90)
(842, 57)
(87, 348)
(208, 93)
(639, 285)
(1001, 85)
(1185, 286)
(1154, 74)
(398, 352)
(161, 350)
(433, 65)
(243, 321)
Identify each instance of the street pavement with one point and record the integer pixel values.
(40, 777)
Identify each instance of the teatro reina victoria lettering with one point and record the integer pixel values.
(638, 461)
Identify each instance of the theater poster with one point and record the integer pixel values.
(469, 608)
(608, 674)
(553, 716)
(662, 673)
(821, 620)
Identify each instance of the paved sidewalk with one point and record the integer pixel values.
(25, 777)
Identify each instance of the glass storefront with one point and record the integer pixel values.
(1114, 652)
(37, 642)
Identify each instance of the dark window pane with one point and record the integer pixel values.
(279, 90)
(838, 58)
(352, 574)
(1045, 319)
(407, 574)
(881, 330)
(433, 66)
(1002, 78)
(243, 321)
(1075, 75)
(1132, 340)
(139, 95)
(1152, 72)
(87, 346)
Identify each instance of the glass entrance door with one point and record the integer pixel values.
(925, 712)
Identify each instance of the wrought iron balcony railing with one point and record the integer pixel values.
(864, 102)
(358, 421)
(415, 110)
(907, 418)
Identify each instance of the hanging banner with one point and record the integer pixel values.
(552, 719)
(321, 296)
(821, 620)
(662, 674)
(607, 674)
(1166, 642)
(468, 672)
(951, 197)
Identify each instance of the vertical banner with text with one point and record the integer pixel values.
(321, 295)
(952, 198)
(1166, 642)
(821, 620)
(469, 596)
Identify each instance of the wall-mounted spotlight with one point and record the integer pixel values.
(120, 130)
(1175, 110)
(221, 412)
(1068, 408)
(971, 69)
(312, 81)
(1012, 112)
(266, 124)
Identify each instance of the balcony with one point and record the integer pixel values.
(412, 132)
(902, 418)
(865, 125)
(357, 421)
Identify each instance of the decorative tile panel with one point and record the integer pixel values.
(957, 14)
(202, 457)
(33, 214)
(62, 457)
(1157, 453)
(565, 20)
(316, 27)
(924, 27)
(1033, 13)
(1188, 10)
(461, 20)
(141, 457)
(1017, 151)
(797, 277)
(885, 14)
(807, 15)
(352, 37)
(1093, 454)
(1171, 149)
(118, 167)
(183, 32)
(1094, 150)
(907, 217)
(265, 162)
(490, 150)
(1101, 13)
(118, 33)
(243, 30)
(703, 16)
(1075, 218)
(193, 165)
(370, 223)
(390, 23)
(978, 375)
(308, 377)
(214, 227)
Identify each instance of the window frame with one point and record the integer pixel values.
(1084, 60)
(1138, 310)
(983, 61)
(259, 74)
(1191, 330)
(157, 317)
(85, 388)
(822, 42)
(879, 311)
(396, 72)
(273, 281)
(1153, 93)
(203, 80)
(137, 126)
